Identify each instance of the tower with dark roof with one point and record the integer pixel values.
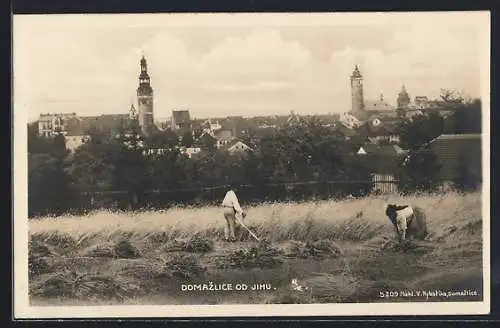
(145, 100)
(403, 99)
(358, 103)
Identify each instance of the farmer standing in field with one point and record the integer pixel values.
(231, 210)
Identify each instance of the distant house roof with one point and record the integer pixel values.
(378, 105)
(382, 159)
(347, 132)
(458, 150)
(236, 146)
(383, 150)
(74, 127)
(104, 122)
(224, 134)
(361, 115)
(261, 132)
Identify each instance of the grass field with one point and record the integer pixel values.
(341, 251)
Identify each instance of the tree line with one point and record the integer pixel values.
(298, 152)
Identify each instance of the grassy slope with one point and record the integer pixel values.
(70, 269)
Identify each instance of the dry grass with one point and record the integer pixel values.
(354, 236)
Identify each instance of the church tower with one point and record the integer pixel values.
(145, 100)
(358, 103)
(403, 99)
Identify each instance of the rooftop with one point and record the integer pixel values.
(458, 136)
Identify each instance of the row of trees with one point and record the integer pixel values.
(306, 151)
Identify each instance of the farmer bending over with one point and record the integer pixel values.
(409, 221)
(231, 210)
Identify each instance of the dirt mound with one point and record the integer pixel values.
(195, 244)
(260, 256)
(317, 249)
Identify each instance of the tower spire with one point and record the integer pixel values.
(145, 99)
(358, 102)
(356, 73)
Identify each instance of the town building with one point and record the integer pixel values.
(181, 121)
(421, 102)
(210, 127)
(379, 105)
(53, 124)
(190, 151)
(224, 137)
(459, 156)
(403, 99)
(361, 110)
(383, 161)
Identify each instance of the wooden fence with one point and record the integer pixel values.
(249, 194)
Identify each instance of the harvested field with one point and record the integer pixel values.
(314, 252)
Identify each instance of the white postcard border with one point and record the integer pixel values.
(22, 308)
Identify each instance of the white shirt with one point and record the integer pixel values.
(402, 219)
(230, 200)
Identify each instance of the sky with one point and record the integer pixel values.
(237, 64)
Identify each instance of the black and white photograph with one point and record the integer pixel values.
(184, 165)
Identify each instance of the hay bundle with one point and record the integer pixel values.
(146, 271)
(61, 241)
(103, 287)
(317, 249)
(174, 246)
(66, 284)
(100, 250)
(37, 266)
(195, 244)
(157, 238)
(37, 248)
(125, 250)
(406, 246)
(184, 266)
(199, 245)
(37, 254)
(261, 256)
(57, 284)
(325, 247)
